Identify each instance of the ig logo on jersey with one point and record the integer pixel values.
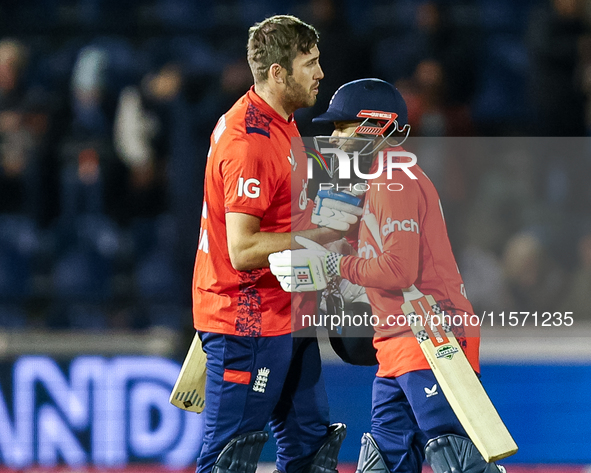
(249, 188)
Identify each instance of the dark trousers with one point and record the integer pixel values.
(407, 411)
(252, 381)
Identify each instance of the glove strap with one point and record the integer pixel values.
(340, 196)
(332, 264)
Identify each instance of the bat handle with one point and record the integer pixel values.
(411, 293)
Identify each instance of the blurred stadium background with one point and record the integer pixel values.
(106, 107)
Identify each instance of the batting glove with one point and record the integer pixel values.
(352, 292)
(349, 293)
(336, 210)
(304, 270)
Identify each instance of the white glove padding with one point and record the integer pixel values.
(352, 292)
(304, 270)
(336, 210)
(349, 292)
(299, 270)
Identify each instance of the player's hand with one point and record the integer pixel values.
(304, 270)
(299, 270)
(336, 210)
(331, 260)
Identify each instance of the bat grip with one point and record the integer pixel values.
(411, 293)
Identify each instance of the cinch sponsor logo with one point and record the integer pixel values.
(367, 251)
(400, 226)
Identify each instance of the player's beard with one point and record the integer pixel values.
(296, 96)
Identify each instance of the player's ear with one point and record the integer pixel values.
(277, 74)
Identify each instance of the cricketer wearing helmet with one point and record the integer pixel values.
(402, 241)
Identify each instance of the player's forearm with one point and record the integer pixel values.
(252, 251)
(322, 235)
(387, 271)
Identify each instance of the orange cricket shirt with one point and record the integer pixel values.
(403, 241)
(250, 169)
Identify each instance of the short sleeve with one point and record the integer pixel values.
(249, 177)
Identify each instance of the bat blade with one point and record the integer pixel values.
(457, 380)
(189, 390)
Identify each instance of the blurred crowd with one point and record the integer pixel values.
(106, 108)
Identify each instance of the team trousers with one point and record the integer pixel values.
(407, 411)
(252, 381)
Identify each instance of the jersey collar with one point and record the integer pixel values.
(259, 103)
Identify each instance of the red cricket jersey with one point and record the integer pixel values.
(250, 169)
(403, 241)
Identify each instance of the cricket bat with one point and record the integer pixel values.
(189, 390)
(457, 379)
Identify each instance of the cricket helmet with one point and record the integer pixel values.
(380, 108)
(371, 95)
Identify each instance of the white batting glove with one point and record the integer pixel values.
(299, 270)
(349, 293)
(304, 270)
(352, 292)
(336, 210)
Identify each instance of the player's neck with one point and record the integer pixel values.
(273, 99)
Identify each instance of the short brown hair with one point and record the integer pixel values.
(277, 40)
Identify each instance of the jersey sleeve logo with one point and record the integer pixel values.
(399, 226)
(367, 251)
(249, 187)
(257, 121)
